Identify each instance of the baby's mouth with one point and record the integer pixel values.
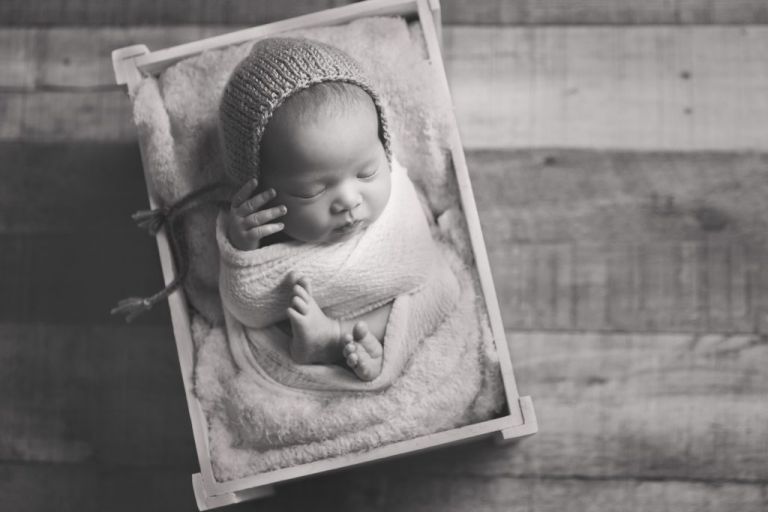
(349, 226)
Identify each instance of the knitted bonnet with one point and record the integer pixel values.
(274, 70)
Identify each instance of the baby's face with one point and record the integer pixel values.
(331, 173)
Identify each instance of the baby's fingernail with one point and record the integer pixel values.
(280, 225)
(283, 209)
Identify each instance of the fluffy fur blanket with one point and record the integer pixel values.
(253, 427)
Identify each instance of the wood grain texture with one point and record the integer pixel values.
(164, 12)
(75, 58)
(625, 406)
(707, 286)
(693, 88)
(601, 12)
(625, 240)
(589, 240)
(77, 278)
(597, 287)
(86, 488)
(404, 492)
(493, 12)
(381, 489)
(61, 187)
(637, 406)
(93, 395)
(646, 88)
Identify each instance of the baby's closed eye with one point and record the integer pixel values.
(309, 192)
(369, 173)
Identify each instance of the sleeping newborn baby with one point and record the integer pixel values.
(320, 175)
(325, 170)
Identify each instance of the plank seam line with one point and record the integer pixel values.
(185, 468)
(10, 89)
(607, 478)
(512, 330)
(448, 475)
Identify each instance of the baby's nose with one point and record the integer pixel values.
(348, 198)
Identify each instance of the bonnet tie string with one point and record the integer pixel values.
(153, 221)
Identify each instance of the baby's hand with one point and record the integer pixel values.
(247, 224)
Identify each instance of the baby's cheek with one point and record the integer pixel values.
(304, 223)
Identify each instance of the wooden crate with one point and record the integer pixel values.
(130, 64)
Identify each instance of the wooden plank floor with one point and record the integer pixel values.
(627, 240)
(641, 88)
(478, 12)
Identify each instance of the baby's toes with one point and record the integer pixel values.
(351, 355)
(365, 367)
(299, 304)
(360, 330)
(292, 278)
(294, 317)
(367, 340)
(303, 283)
(301, 291)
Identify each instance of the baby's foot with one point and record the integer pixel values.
(315, 337)
(363, 352)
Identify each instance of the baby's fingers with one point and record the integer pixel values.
(262, 217)
(254, 204)
(245, 192)
(260, 232)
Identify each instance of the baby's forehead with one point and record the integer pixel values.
(300, 174)
(316, 134)
(322, 103)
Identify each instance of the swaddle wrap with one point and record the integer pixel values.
(391, 257)
(391, 260)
